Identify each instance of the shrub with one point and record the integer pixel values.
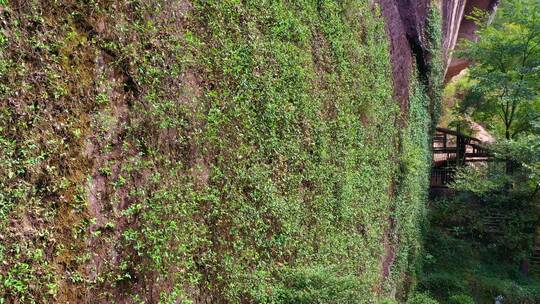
(461, 299)
(422, 298)
(317, 285)
(443, 283)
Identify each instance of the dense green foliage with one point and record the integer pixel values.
(435, 74)
(424, 112)
(456, 99)
(494, 182)
(463, 255)
(506, 79)
(481, 239)
(422, 298)
(464, 259)
(218, 151)
(412, 187)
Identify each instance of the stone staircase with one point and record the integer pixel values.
(534, 268)
(494, 221)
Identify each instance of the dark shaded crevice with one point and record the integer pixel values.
(421, 60)
(405, 24)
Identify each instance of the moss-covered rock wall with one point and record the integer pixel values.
(207, 151)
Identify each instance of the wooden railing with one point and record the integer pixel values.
(452, 149)
(441, 177)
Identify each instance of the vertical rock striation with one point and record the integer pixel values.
(457, 26)
(405, 22)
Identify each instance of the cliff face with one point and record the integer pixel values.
(405, 23)
(456, 26)
(406, 26)
(213, 151)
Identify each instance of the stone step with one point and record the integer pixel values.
(534, 270)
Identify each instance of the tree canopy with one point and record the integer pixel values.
(506, 68)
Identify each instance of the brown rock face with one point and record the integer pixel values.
(456, 26)
(405, 22)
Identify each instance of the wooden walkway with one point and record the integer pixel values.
(452, 149)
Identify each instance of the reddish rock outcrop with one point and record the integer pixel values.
(457, 26)
(406, 20)
(405, 23)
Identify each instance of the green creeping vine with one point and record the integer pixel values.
(411, 198)
(240, 152)
(436, 63)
